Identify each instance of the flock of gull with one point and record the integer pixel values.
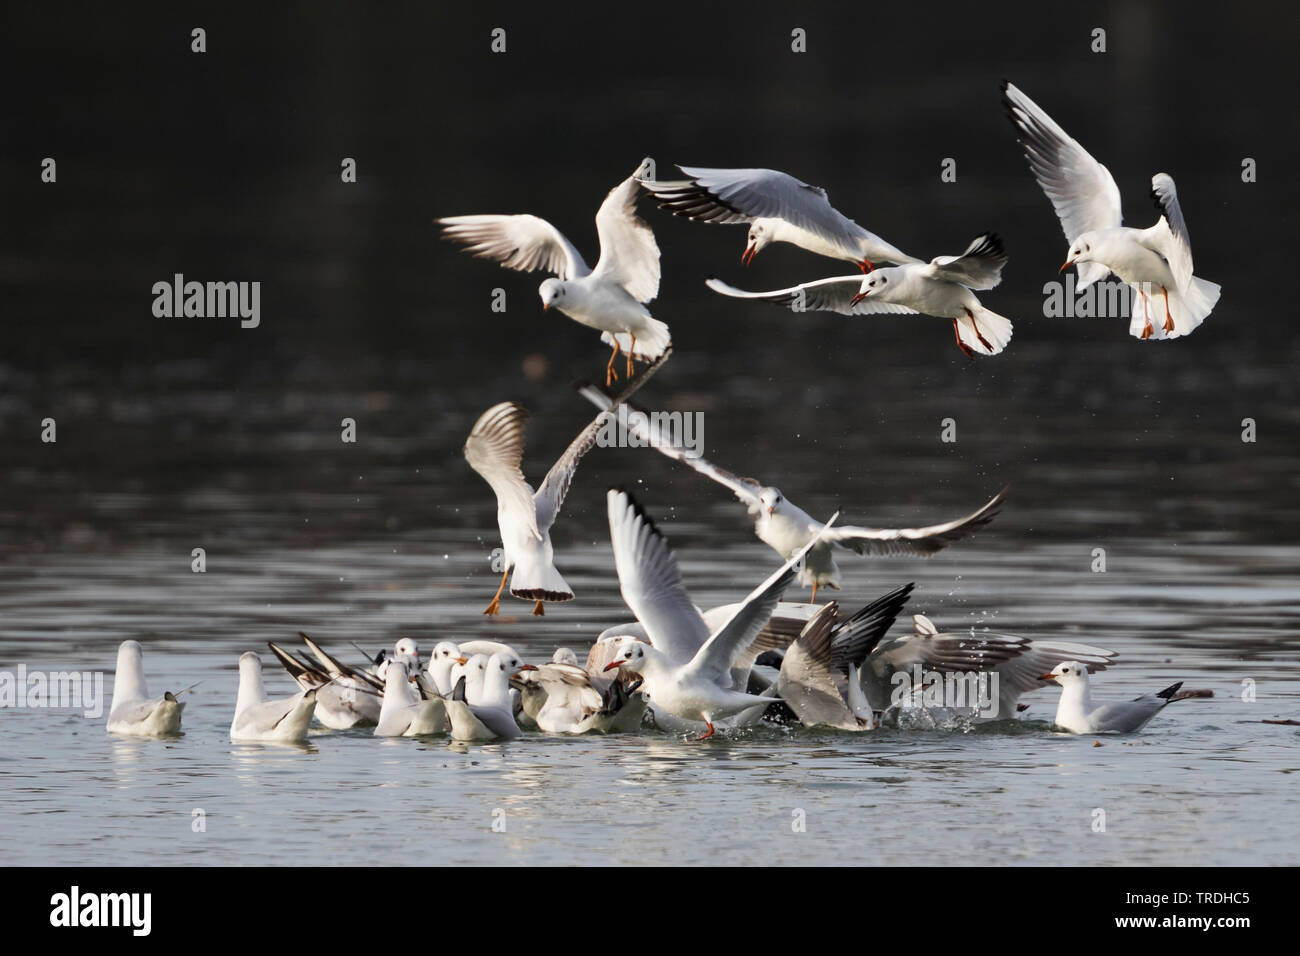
(676, 667)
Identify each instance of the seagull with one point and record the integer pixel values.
(480, 706)
(404, 713)
(778, 208)
(941, 287)
(495, 449)
(1079, 714)
(566, 698)
(688, 669)
(1087, 201)
(786, 528)
(345, 698)
(133, 713)
(257, 719)
(610, 297)
(819, 674)
(445, 656)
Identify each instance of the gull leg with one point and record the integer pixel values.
(495, 606)
(814, 597)
(970, 353)
(978, 334)
(610, 375)
(1169, 319)
(1147, 330)
(866, 266)
(628, 353)
(706, 736)
(539, 610)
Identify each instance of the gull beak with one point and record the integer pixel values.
(1047, 677)
(857, 298)
(771, 509)
(461, 660)
(1068, 263)
(612, 664)
(545, 306)
(747, 256)
(527, 667)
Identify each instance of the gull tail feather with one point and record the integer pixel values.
(996, 330)
(653, 341)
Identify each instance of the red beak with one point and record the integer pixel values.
(747, 256)
(1047, 677)
(857, 298)
(1068, 263)
(612, 664)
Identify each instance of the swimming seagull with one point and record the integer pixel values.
(133, 713)
(405, 713)
(1079, 714)
(610, 297)
(786, 528)
(284, 720)
(941, 287)
(480, 707)
(495, 449)
(702, 687)
(1087, 201)
(778, 208)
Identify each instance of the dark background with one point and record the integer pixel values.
(225, 166)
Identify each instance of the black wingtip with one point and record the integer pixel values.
(639, 510)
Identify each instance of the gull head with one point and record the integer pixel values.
(1081, 250)
(631, 656)
(445, 650)
(873, 283)
(770, 500)
(407, 650)
(760, 234)
(565, 655)
(1067, 673)
(130, 654)
(552, 292)
(250, 663)
(395, 675)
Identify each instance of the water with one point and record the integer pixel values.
(174, 435)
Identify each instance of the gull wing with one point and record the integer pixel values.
(979, 267)
(1082, 190)
(651, 582)
(1171, 240)
(524, 243)
(919, 541)
(494, 449)
(746, 489)
(806, 682)
(629, 254)
(821, 295)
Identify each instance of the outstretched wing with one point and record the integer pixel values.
(979, 267)
(629, 254)
(806, 682)
(1082, 190)
(1175, 246)
(494, 449)
(643, 423)
(651, 582)
(920, 541)
(525, 243)
(822, 295)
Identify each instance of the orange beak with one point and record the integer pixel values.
(545, 306)
(461, 660)
(747, 256)
(1047, 677)
(1068, 263)
(770, 510)
(612, 664)
(527, 667)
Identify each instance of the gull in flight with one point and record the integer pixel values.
(495, 449)
(1087, 202)
(258, 719)
(1080, 714)
(345, 697)
(610, 297)
(133, 713)
(786, 528)
(941, 287)
(689, 671)
(778, 208)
